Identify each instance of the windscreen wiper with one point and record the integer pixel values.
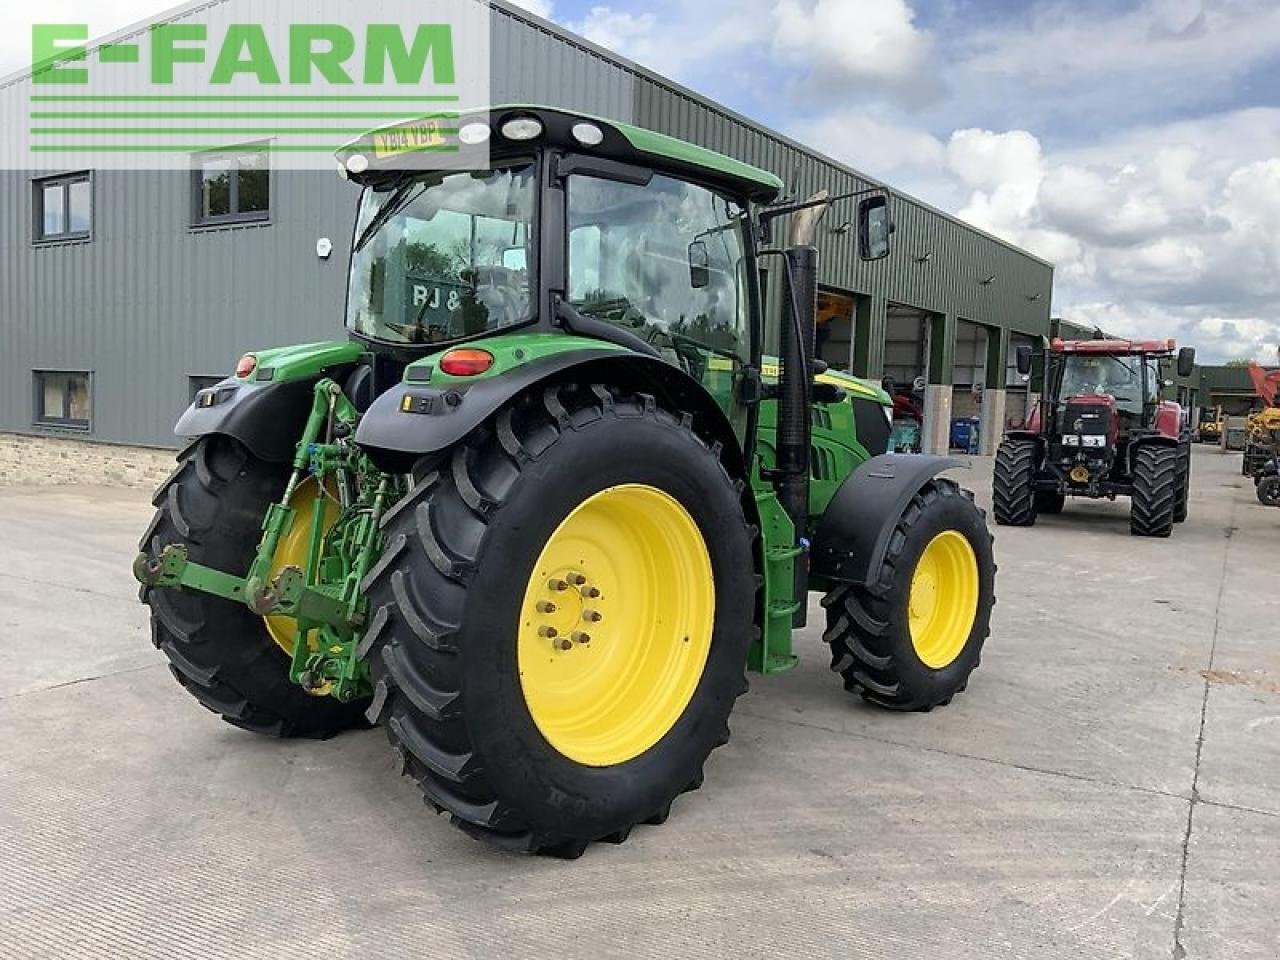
(395, 203)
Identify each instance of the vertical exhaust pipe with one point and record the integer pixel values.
(795, 385)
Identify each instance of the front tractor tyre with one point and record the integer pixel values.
(232, 661)
(910, 639)
(1013, 493)
(1268, 491)
(561, 618)
(1182, 500)
(1157, 480)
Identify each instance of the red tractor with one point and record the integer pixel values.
(1101, 429)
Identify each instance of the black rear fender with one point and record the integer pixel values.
(268, 418)
(411, 421)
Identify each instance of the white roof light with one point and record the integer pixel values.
(588, 134)
(357, 163)
(473, 134)
(522, 128)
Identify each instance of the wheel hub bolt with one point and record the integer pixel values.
(580, 637)
(557, 585)
(546, 606)
(549, 632)
(564, 644)
(592, 593)
(592, 616)
(576, 578)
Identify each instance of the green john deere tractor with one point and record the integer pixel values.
(549, 501)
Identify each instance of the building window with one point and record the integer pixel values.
(196, 384)
(63, 399)
(232, 187)
(63, 207)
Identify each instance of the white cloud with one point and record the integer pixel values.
(880, 147)
(617, 30)
(1216, 338)
(1003, 171)
(677, 39)
(1170, 230)
(857, 42)
(1126, 59)
(540, 8)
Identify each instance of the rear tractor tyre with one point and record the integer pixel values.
(1013, 495)
(1049, 502)
(561, 618)
(1268, 491)
(910, 640)
(232, 661)
(1156, 480)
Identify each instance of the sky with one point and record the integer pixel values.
(1133, 143)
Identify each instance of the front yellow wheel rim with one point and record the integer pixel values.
(615, 626)
(944, 599)
(292, 551)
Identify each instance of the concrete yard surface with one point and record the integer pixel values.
(1107, 787)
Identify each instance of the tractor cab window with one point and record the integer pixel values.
(666, 261)
(443, 257)
(1086, 374)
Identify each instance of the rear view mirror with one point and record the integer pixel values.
(699, 265)
(515, 259)
(1186, 361)
(1022, 359)
(874, 228)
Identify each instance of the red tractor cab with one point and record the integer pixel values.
(1102, 429)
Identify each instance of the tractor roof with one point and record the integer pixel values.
(1113, 347)
(432, 143)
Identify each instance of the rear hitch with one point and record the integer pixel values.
(322, 596)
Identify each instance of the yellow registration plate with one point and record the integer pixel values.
(408, 137)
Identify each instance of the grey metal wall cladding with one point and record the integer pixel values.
(150, 301)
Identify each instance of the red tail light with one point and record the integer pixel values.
(248, 363)
(466, 362)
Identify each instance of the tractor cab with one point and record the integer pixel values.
(543, 221)
(1102, 399)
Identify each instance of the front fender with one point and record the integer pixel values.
(853, 534)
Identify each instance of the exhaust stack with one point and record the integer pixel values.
(795, 383)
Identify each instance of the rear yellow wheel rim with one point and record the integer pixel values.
(615, 626)
(944, 599)
(292, 551)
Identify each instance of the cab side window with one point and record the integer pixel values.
(665, 261)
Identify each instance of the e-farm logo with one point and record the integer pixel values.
(182, 87)
(315, 50)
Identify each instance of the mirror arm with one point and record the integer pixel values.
(769, 214)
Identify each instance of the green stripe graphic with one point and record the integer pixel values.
(194, 98)
(144, 115)
(209, 131)
(203, 147)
